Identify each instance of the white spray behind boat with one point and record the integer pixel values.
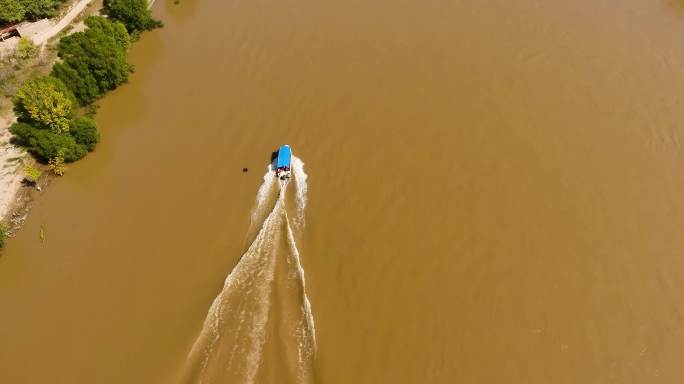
(232, 343)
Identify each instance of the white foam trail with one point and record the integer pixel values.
(231, 344)
(300, 189)
(245, 299)
(263, 194)
(306, 329)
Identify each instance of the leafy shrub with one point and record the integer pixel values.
(94, 61)
(84, 131)
(134, 14)
(46, 102)
(57, 167)
(26, 49)
(3, 234)
(32, 173)
(46, 144)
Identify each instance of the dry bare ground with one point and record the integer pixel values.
(12, 160)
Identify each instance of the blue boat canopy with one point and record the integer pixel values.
(284, 155)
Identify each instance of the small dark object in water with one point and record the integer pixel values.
(245, 169)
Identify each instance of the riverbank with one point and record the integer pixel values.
(15, 195)
(18, 68)
(11, 172)
(13, 158)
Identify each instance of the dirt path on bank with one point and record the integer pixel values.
(75, 10)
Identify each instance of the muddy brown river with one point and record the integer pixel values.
(495, 195)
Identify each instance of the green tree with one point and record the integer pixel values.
(84, 131)
(12, 10)
(46, 144)
(111, 28)
(17, 10)
(94, 61)
(134, 14)
(77, 76)
(36, 9)
(45, 101)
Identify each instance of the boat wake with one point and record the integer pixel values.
(260, 327)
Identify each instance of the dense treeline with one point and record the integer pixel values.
(49, 109)
(17, 10)
(134, 14)
(94, 61)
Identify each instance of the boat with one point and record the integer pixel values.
(283, 162)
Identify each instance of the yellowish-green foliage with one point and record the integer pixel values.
(56, 165)
(26, 49)
(45, 101)
(3, 234)
(32, 173)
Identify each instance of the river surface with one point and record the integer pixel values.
(495, 195)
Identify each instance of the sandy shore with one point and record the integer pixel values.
(12, 170)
